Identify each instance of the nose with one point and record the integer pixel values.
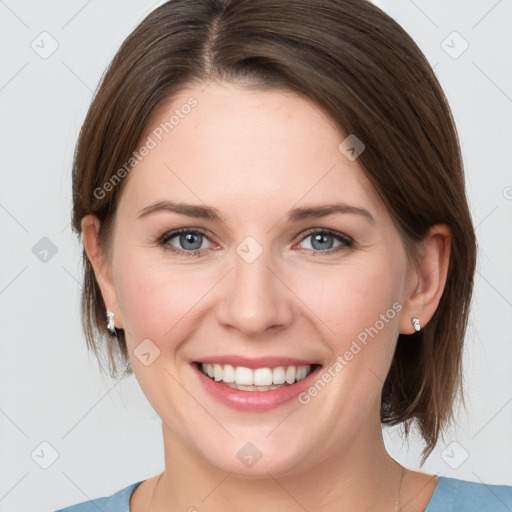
(255, 300)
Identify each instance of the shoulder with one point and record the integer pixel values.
(118, 502)
(452, 494)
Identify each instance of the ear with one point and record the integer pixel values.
(101, 265)
(427, 278)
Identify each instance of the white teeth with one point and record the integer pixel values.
(279, 375)
(217, 372)
(244, 376)
(290, 374)
(266, 378)
(229, 373)
(263, 377)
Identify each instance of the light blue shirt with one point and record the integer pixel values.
(450, 495)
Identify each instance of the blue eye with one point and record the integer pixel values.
(325, 240)
(188, 242)
(193, 242)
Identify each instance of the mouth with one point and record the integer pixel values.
(255, 386)
(255, 379)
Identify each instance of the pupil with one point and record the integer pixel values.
(189, 239)
(321, 239)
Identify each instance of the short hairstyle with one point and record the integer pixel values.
(369, 76)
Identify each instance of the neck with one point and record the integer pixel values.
(359, 476)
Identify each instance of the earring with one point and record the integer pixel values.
(416, 323)
(110, 326)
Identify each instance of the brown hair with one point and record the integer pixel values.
(360, 66)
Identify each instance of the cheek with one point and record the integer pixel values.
(358, 308)
(158, 303)
(157, 298)
(360, 303)
(353, 297)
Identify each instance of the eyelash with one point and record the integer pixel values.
(345, 240)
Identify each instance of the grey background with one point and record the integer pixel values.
(104, 436)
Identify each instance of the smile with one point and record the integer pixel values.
(258, 379)
(254, 385)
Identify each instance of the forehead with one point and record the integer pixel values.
(237, 147)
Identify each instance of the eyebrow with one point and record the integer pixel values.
(297, 214)
(191, 210)
(294, 215)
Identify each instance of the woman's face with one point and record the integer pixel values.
(288, 257)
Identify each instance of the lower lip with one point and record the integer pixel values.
(254, 401)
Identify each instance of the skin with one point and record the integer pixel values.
(254, 155)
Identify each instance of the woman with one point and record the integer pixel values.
(278, 244)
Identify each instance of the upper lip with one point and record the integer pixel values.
(255, 362)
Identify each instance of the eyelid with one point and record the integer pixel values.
(337, 234)
(171, 234)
